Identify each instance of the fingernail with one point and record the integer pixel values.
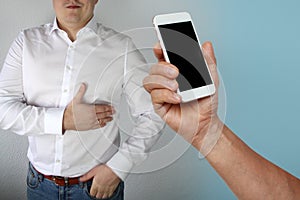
(157, 46)
(171, 84)
(171, 71)
(110, 108)
(177, 97)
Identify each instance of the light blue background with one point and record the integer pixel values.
(257, 45)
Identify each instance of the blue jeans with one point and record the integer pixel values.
(39, 188)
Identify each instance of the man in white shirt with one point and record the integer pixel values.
(59, 86)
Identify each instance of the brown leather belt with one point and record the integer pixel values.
(61, 181)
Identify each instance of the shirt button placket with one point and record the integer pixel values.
(64, 101)
(67, 78)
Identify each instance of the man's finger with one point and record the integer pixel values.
(80, 94)
(104, 121)
(164, 69)
(154, 82)
(101, 115)
(94, 192)
(110, 194)
(99, 108)
(158, 52)
(105, 195)
(89, 175)
(161, 96)
(208, 52)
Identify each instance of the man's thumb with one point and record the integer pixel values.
(158, 52)
(80, 93)
(88, 175)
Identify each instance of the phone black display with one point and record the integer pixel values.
(184, 52)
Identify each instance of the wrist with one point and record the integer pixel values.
(113, 175)
(66, 124)
(209, 136)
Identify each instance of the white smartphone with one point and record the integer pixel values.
(181, 47)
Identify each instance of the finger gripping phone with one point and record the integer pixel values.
(181, 47)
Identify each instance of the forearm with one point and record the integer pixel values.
(135, 149)
(28, 120)
(249, 175)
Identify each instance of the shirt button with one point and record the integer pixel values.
(57, 161)
(65, 90)
(69, 67)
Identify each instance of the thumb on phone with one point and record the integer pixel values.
(158, 52)
(208, 52)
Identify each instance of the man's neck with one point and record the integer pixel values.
(72, 28)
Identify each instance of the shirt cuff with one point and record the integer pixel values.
(53, 121)
(120, 165)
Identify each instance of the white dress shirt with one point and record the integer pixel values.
(42, 73)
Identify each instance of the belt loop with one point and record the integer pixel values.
(41, 177)
(81, 184)
(66, 179)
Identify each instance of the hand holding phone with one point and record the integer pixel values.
(181, 47)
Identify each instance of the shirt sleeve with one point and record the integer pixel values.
(147, 124)
(15, 114)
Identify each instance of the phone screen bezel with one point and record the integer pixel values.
(165, 19)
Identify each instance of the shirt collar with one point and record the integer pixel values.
(54, 26)
(92, 25)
